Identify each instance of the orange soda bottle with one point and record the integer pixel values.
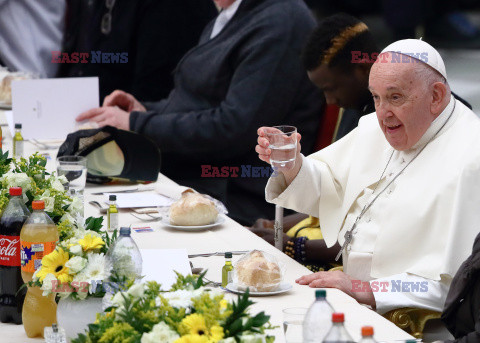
(37, 239)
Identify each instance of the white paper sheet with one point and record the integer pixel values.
(140, 199)
(160, 265)
(47, 108)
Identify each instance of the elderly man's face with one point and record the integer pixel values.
(401, 102)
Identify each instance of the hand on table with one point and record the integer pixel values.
(125, 101)
(340, 280)
(264, 153)
(110, 115)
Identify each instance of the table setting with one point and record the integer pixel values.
(202, 246)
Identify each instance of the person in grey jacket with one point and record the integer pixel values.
(244, 73)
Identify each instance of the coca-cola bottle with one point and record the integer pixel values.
(11, 302)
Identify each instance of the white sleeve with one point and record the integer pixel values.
(303, 194)
(408, 290)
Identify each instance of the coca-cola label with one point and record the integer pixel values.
(10, 251)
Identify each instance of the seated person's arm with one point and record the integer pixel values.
(408, 290)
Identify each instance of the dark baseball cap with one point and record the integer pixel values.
(114, 154)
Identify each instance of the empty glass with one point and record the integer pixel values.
(283, 144)
(293, 324)
(74, 168)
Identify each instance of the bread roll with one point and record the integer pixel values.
(193, 209)
(6, 87)
(258, 273)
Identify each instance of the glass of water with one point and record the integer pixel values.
(74, 168)
(283, 144)
(293, 324)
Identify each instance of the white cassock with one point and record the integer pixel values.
(420, 229)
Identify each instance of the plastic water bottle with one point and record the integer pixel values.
(317, 321)
(338, 333)
(367, 335)
(125, 258)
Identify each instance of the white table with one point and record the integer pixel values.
(231, 236)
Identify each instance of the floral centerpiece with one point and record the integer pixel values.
(188, 313)
(30, 174)
(78, 267)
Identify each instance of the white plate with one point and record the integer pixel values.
(282, 288)
(166, 221)
(5, 106)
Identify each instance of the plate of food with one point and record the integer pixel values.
(193, 212)
(283, 287)
(166, 221)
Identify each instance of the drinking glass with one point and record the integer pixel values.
(74, 168)
(283, 144)
(293, 324)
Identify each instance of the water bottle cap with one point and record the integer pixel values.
(112, 197)
(338, 317)
(228, 255)
(38, 204)
(367, 331)
(18, 126)
(125, 231)
(15, 191)
(320, 293)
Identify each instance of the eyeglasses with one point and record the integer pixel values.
(106, 26)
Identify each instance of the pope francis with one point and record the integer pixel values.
(400, 194)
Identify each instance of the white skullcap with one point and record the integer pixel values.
(419, 50)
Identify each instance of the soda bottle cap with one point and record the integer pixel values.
(228, 255)
(338, 317)
(18, 126)
(38, 204)
(125, 231)
(367, 331)
(15, 191)
(112, 197)
(320, 293)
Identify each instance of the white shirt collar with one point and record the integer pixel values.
(224, 17)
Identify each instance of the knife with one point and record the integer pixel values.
(239, 252)
(130, 190)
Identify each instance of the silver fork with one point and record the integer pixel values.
(151, 219)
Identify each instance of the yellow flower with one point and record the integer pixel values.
(223, 304)
(193, 327)
(54, 263)
(216, 333)
(91, 242)
(194, 324)
(193, 339)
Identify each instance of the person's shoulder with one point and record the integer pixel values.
(283, 14)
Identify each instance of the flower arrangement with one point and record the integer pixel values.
(29, 173)
(78, 266)
(188, 313)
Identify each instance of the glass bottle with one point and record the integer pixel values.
(227, 270)
(338, 333)
(18, 141)
(112, 214)
(318, 319)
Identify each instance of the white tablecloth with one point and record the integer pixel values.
(228, 237)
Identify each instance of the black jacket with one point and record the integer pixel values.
(154, 33)
(249, 75)
(461, 313)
